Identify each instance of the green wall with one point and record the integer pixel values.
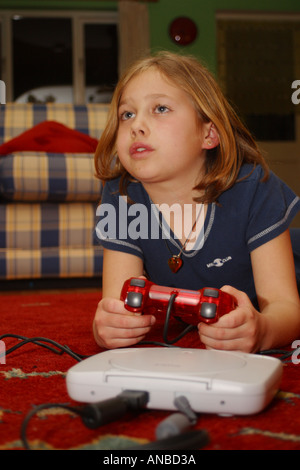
(203, 13)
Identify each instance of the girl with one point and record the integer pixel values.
(189, 200)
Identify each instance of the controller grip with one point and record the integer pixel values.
(135, 293)
(214, 304)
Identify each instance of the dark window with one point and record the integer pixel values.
(43, 57)
(42, 53)
(101, 53)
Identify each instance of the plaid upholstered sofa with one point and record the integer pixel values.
(48, 199)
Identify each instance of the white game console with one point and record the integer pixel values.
(213, 381)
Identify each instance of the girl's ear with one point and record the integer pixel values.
(211, 137)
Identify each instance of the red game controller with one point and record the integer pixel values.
(206, 305)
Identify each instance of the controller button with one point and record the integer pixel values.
(208, 310)
(134, 299)
(211, 292)
(138, 282)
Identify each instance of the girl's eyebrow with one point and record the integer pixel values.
(157, 95)
(147, 97)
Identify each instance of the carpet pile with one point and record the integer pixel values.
(34, 375)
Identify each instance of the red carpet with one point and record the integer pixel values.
(33, 375)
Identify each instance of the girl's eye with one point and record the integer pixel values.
(161, 109)
(126, 115)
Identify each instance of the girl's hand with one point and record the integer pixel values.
(239, 330)
(116, 327)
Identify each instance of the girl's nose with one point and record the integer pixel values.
(138, 127)
(137, 131)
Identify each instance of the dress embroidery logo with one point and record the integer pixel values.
(219, 262)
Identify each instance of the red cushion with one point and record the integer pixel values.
(50, 136)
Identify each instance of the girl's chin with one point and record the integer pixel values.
(145, 177)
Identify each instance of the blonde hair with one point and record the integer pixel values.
(236, 145)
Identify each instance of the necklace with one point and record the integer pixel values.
(175, 262)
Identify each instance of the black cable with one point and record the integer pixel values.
(166, 325)
(96, 414)
(267, 352)
(157, 343)
(34, 411)
(60, 349)
(283, 354)
(41, 341)
(25, 338)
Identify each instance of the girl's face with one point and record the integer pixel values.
(160, 138)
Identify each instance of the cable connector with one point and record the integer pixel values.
(183, 405)
(94, 415)
(177, 423)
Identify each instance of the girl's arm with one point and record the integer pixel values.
(277, 292)
(113, 325)
(278, 324)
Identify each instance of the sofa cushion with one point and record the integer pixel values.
(16, 118)
(48, 240)
(41, 176)
(34, 226)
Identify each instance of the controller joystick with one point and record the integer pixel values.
(206, 305)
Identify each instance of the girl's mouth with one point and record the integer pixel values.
(139, 149)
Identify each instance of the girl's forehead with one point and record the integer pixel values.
(149, 82)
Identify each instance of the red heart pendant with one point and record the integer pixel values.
(175, 263)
